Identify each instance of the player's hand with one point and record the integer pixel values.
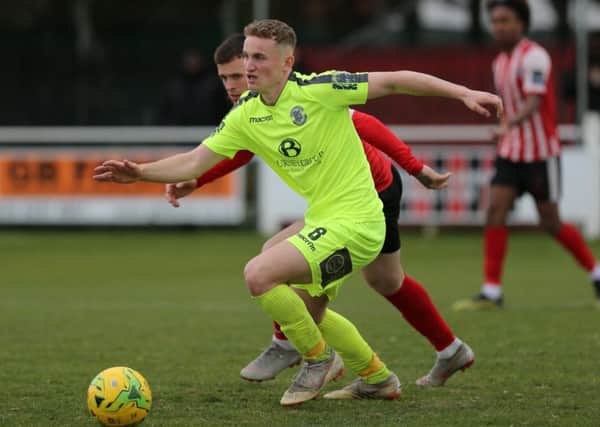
(479, 102)
(119, 171)
(432, 179)
(500, 130)
(179, 190)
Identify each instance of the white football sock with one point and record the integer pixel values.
(450, 350)
(491, 291)
(285, 344)
(595, 274)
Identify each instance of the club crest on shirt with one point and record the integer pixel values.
(298, 115)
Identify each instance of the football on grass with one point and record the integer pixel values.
(119, 397)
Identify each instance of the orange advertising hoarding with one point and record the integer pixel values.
(67, 175)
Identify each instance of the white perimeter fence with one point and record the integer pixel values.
(45, 178)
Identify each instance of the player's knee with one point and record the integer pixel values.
(386, 284)
(268, 244)
(496, 215)
(551, 226)
(255, 278)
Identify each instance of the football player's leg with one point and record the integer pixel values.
(314, 374)
(342, 248)
(267, 276)
(571, 239)
(279, 338)
(375, 380)
(386, 276)
(281, 353)
(495, 243)
(502, 199)
(543, 182)
(345, 339)
(282, 235)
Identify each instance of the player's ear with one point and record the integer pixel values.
(289, 61)
(288, 56)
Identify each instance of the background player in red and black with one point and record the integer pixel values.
(528, 157)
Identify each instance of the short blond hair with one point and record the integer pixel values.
(272, 29)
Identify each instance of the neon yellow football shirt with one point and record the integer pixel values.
(309, 140)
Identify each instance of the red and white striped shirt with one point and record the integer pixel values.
(527, 70)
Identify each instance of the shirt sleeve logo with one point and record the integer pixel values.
(538, 77)
(218, 128)
(298, 115)
(345, 81)
(289, 147)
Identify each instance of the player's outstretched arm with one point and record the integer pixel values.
(419, 84)
(180, 167)
(173, 192)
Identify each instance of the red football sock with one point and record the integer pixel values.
(277, 332)
(571, 239)
(494, 247)
(415, 305)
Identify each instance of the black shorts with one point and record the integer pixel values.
(391, 210)
(540, 179)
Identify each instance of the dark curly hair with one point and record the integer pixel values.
(520, 7)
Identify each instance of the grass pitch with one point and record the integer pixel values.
(173, 306)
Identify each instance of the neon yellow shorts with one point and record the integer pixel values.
(334, 249)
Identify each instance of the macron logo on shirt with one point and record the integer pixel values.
(261, 119)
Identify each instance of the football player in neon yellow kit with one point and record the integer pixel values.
(385, 274)
(300, 126)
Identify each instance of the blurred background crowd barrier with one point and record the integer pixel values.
(85, 80)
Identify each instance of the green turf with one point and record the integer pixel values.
(173, 306)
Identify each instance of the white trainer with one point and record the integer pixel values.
(388, 389)
(270, 363)
(311, 379)
(445, 368)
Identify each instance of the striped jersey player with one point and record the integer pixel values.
(528, 156)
